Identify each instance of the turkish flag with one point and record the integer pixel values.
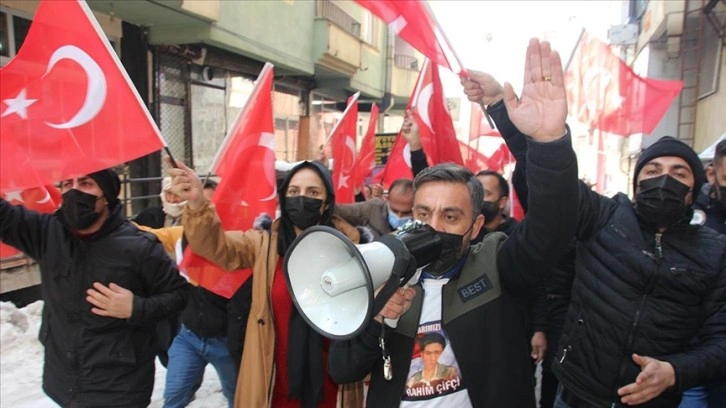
(411, 21)
(344, 135)
(604, 92)
(366, 160)
(41, 199)
(245, 164)
(479, 125)
(67, 106)
(500, 158)
(438, 137)
(474, 160)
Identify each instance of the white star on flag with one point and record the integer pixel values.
(18, 105)
(14, 196)
(343, 180)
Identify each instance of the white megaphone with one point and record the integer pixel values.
(332, 281)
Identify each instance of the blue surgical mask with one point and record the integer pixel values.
(395, 221)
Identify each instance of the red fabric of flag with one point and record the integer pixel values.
(479, 125)
(436, 129)
(344, 135)
(245, 164)
(41, 199)
(411, 21)
(474, 160)
(67, 106)
(605, 93)
(366, 160)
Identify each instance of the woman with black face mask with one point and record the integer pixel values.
(284, 360)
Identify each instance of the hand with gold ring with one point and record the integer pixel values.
(541, 110)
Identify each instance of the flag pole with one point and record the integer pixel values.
(462, 71)
(572, 53)
(347, 108)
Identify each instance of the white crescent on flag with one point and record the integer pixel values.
(45, 199)
(407, 154)
(422, 105)
(95, 91)
(268, 140)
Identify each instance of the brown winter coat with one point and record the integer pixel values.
(257, 249)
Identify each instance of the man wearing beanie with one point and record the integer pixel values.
(646, 281)
(105, 284)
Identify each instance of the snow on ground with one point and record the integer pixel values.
(21, 365)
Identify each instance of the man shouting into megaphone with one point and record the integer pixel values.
(466, 297)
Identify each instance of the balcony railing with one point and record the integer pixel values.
(328, 10)
(405, 62)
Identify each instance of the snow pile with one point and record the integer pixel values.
(21, 365)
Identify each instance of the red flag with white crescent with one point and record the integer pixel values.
(245, 164)
(605, 93)
(344, 152)
(414, 23)
(436, 129)
(67, 106)
(44, 199)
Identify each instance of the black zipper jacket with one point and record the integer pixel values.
(91, 360)
(640, 291)
(484, 330)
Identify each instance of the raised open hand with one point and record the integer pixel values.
(542, 110)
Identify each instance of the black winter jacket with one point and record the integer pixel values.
(711, 212)
(90, 360)
(639, 291)
(206, 313)
(490, 349)
(551, 300)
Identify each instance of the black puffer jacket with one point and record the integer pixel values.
(90, 360)
(638, 291)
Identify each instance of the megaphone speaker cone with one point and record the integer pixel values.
(331, 280)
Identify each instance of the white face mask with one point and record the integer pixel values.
(174, 210)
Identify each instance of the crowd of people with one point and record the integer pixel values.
(622, 301)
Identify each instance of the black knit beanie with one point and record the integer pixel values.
(109, 183)
(670, 146)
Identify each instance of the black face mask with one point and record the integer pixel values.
(303, 211)
(490, 210)
(79, 209)
(661, 200)
(451, 246)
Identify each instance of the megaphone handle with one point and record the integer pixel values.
(393, 323)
